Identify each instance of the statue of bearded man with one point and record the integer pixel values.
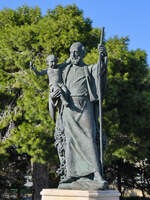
(77, 124)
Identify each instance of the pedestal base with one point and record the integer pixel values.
(58, 194)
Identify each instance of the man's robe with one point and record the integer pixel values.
(77, 121)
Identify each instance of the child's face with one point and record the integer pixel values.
(52, 61)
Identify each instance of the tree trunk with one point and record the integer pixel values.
(18, 194)
(119, 185)
(143, 193)
(40, 179)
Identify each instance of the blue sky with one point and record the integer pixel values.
(120, 17)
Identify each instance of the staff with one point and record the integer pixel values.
(100, 99)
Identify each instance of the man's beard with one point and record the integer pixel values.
(75, 61)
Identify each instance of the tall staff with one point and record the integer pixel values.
(100, 99)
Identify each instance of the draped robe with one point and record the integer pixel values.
(78, 121)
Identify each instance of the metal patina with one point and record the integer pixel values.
(76, 91)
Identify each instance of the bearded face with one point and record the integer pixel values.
(75, 56)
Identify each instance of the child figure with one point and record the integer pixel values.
(55, 79)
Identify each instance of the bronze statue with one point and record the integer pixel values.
(77, 123)
(76, 91)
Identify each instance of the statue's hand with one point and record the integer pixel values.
(33, 68)
(31, 65)
(102, 50)
(55, 93)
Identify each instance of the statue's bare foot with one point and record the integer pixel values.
(84, 183)
(98, 179)
(88, 184)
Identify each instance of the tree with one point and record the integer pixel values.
(126, 109)
(13, 168)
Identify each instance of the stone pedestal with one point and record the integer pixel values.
(58, 194)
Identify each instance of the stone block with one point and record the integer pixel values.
(58, 194)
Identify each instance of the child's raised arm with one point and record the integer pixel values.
(41, 73)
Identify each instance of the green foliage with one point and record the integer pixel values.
(22, 15)
(125, 100)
